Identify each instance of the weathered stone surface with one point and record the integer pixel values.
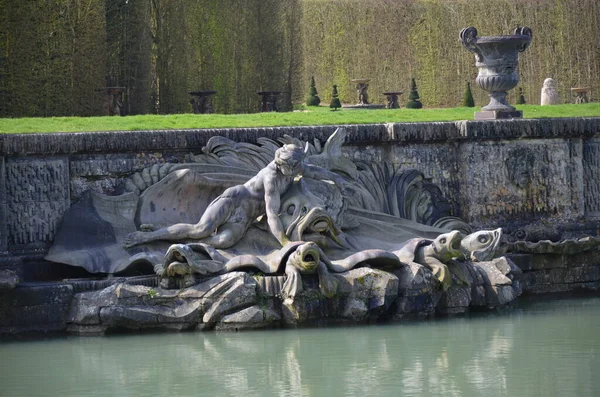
(355, 310)
(419, 306)
(209, 285)
(232, 294)
(27, 294)
(414, 277)
(418, 292)
(142, 295)
(8, 279)
(375, 289)
(501, 282)
(308, 306)
(492, 274)
(39, 308)
(105, 297)
(41, 318)
(127, 304)
(456, 300)
(128, 317)
(85, 307)
(555, 288)
(478, 296)
(543, 280)
(270, 285)
(363, 294)
(499, 295)
(187, 312)
(253, 317)
(87, 330)
(83, 314)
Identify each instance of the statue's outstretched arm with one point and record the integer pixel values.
(272, 204)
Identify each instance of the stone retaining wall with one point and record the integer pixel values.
(496, 173)
(501, 173)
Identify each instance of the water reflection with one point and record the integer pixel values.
(544, 349)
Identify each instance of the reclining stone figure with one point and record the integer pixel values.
(232, 213)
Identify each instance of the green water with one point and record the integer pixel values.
(540, 348)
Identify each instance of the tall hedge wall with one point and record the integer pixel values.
(52, 57)
(54, 54)
(390, 41)
(237, 47)
(129, 57)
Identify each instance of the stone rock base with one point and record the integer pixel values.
(8, 279)
(35, 308)
(240, 301)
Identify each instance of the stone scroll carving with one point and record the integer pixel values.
(288, 208)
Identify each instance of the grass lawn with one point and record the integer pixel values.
(309, 116)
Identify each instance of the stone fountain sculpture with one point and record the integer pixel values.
(362, 86)
(305, 221)
(497, 58)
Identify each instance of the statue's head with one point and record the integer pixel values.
(289, 159)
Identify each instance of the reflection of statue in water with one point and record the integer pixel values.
(236, 208)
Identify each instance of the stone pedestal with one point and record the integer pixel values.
(201, 101)
(498, 115)
(392, 99)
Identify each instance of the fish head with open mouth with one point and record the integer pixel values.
(305, 258)
(483, 245)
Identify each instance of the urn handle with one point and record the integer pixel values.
(524, 31)
(468, 38)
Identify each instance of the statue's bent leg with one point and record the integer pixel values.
(229, 235)
(214, 216)
(176, 232)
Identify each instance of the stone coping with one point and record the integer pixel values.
(194, 139)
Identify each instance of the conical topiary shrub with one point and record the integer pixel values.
(468, 100)
(335, 101)
(521, 99)
(312, 99)
(413, 97)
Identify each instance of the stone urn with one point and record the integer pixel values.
(497, 58)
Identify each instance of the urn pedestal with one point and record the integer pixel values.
(497, 58)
